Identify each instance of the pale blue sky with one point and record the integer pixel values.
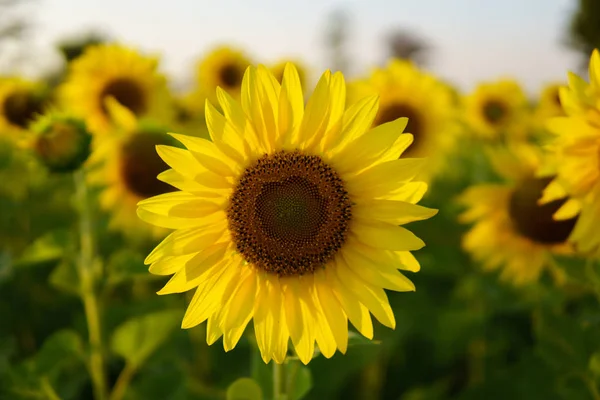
(474, 40)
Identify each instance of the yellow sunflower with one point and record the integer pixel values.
(549, 104)
(291, 216)
(112, 70)
(278, 68)
(223, 67)
(125, 163)
(497, 110)
(20, 102)
(189, 119)
(511, 231)
(406, 91)
(576, 151)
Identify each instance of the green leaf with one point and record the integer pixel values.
(244, 389)
(62, 347)
(136, 339)
(65, 277)
(594, 364)
(126, 264)
(299, 380)
(50, 247)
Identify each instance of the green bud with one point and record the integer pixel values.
(62, 143)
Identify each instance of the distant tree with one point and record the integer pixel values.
(584, 28)
(71, 48)
(407, 45)
(336, 40)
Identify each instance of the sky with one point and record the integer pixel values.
(472, 40)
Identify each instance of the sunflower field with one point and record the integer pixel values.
(277, 232)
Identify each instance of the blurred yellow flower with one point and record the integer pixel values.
(576, 151)
(113, 70)
(20, 103)
(124, 161)
(290, 216)
(511, 231)
(498, 111)
(222, 67)
(406, 91)
(549, 104)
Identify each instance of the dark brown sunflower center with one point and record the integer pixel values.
(415, 122)
(231, 76)
(289, 213)
(20, 108)
(140, 164)
(535, 221)
(128, 93)
(494, 111)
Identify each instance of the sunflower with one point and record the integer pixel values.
(549, 104)
(278, 68)
(497, 110)
(20, 102)
(125, 163)
(113, 70)
(223, 67)
(511, 231)
(290, 216)
(406, 91)
(576, 150)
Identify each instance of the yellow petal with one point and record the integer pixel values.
(208, 155)
(357, 120)
(386, 177)
(169, 265)
(570, 209)
(120, 115)
(382, 235)
(394, 212)
(208, 297)
(298, 318)
(209, 256)
(373, 298)
(366, 149)
(291, 104)
(377, 273)
(333, 311)
(357, 313)
(316, 115)
(186, 241)
(180, 160)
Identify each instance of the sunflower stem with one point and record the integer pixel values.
(123, 381)
(85, 269)
(278, 382)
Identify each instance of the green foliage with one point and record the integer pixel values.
(584, 28)
(244, 389)
(136, 339)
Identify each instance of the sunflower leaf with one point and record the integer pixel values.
(244, 389)
(136, 339)
(48, 248)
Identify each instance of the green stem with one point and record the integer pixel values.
(277, 381)
(123, 382)
(88, 293)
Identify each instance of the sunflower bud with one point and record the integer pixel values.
(62, 142)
